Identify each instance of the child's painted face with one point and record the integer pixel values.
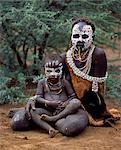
(53, 71)
(82, 36)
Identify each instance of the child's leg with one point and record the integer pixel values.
(71, 107)
(42, 124)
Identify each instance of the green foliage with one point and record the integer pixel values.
(31, 27)
(114, 82)
(11, 87)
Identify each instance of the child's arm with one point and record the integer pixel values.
(39, 97)
(51, 103)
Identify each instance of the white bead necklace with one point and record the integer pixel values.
(79, 73)
(88, 59)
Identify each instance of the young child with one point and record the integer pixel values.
(55, 104)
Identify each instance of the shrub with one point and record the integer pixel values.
(113, 88)
(12, 87)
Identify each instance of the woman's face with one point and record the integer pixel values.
(82, 36)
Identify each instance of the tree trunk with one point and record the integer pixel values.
(25, 52)
(42, 46)
(13, 47)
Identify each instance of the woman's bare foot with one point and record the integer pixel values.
(52, 132)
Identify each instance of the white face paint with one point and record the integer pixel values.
(82, 33)
(53, 72)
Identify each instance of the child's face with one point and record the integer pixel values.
(53, 71)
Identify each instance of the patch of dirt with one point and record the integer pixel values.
(93, 138)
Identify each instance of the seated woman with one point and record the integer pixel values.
(55, 106)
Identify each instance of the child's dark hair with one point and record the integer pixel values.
(51, 57)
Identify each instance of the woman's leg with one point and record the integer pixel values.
(19, 121)
(73, 124)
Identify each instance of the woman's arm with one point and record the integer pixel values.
(99, 63)
(66, 73)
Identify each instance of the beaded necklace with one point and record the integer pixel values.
(54, 88)
(78, 56)
(84, 74)
(86, 58)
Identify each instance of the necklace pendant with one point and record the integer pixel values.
(95, 86)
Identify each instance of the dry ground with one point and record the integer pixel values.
(93, 138)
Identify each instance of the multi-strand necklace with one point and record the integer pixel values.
(84, 58)
(84, 71)
(78, 55)
(54, 88)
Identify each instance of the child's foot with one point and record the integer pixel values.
(44, 117)
(47, 118)
(52, 133)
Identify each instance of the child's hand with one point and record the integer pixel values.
(64, 104)
(30, 105)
